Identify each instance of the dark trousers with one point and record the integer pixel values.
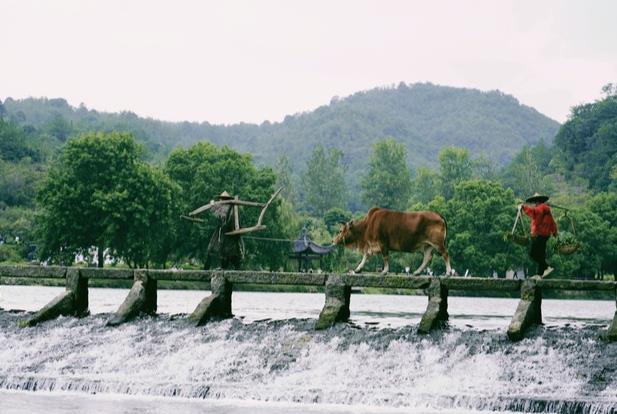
(538, 252)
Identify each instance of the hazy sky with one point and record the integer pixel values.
(228, 61)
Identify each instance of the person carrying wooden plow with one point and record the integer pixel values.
(543, 226)
(229, 248)
(226, 241)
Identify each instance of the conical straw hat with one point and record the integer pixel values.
(537, 198)
(224, 195)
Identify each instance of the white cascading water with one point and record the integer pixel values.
(563, 368)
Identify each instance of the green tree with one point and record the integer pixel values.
(455, 166)
(612, 187)
(17, 233)
(484, 168)
(478, 215)
(605, 206)
(59, 127)
(284, 178)
(425, 185)
(143, 210)
(19, 181)
(588, 142)
(527, 173)
(334, 217)
(9, 254)
(323, 182)
(388, 180)
(14, 144)
(99, 193)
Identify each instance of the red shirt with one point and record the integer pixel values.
(542, 223)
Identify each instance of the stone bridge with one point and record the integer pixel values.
(142, 297)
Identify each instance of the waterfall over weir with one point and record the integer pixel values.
(560, 368)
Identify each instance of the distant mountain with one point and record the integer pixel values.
(423, 116)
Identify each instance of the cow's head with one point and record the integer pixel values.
(345, 235)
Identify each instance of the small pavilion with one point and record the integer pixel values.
(305, 251)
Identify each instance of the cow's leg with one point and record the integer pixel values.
(444, 253)
(386, 264)
(362, 262)
(428, 253)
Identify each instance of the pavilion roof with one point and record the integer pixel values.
(304, 244)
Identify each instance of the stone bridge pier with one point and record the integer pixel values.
(336, 308)
(216, 306)
(72, 302)
(141, 298)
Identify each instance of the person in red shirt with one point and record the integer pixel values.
(543, 226)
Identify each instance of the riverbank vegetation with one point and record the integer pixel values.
(71, 190)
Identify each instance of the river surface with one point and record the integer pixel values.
(269, 359)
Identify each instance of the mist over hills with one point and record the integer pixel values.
(422, 116)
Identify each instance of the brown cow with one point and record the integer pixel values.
(382, 230)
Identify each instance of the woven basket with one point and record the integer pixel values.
(568, 249)
(570, 246)
(520, 239)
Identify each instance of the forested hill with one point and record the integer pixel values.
(424, 117)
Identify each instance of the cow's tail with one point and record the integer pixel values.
(445, 233)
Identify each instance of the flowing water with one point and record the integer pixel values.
(268, 359)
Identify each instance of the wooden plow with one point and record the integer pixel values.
(235, 202)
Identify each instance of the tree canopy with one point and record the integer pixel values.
(324, 182)
(100, 194)
(387, 182)
(588, 142)
(455, 166)
(14, 145)
(529, 171)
